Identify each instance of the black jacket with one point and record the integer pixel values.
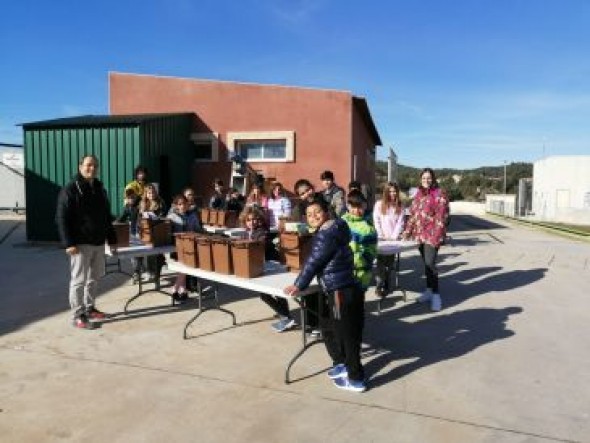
(330, 259)
(83, 214)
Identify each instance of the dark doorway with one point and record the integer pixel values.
(164, 169)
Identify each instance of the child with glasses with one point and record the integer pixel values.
(253, 220)
(388, 218)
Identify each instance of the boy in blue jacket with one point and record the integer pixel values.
(331, 261)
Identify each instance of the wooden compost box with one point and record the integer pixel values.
(248, 258)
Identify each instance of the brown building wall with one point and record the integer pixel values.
(321, 119)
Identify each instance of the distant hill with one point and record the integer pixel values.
(463, 184)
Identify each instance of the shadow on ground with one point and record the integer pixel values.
(430, 340)
(463, 223)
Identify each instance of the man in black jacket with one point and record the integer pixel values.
(84, 222)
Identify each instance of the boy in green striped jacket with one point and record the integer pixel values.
(363, 240)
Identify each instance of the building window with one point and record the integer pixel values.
(263, 150)
(268, 146)
(206, 146)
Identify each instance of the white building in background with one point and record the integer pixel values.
(561, 189)
(12, 177)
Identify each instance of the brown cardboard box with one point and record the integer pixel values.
(296, 248)
(221, 250)
(248, 258)
(122, 234)
(227, 219)
(179, 243)
(212, 217)
(186, 249)
(156, 232)
(204, 252)
(204, 216)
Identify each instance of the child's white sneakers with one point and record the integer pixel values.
(425, 297)
(435, 302)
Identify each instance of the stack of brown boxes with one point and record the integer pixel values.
(186, 248)
(221, 250)
(122, 234)
(156, 232)
(204, 216)
(296, 247)
(248, 258)
(212, 220)
(204, 253)
(227, 219)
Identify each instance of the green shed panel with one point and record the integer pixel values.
(53, 149)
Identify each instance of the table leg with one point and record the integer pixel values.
(114, 267)
(201, 308)
(306, 344)
(396, 286)
(156, 288)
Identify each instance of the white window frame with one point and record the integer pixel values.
(211, 137)
(234, 138)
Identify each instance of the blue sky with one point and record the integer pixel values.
(450, 83)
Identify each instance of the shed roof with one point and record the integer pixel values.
(101, 120)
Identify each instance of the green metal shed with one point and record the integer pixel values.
(53, 148)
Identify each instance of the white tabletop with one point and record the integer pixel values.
(273, 281)
(232, 232)
(214, 229)
(390, 247)
(137, 249)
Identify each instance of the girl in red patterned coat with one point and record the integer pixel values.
(427, 225)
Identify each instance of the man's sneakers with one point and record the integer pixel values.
(435, 303)
(82, 322)
(425, 297)
(85, 320)
(338, 371)
(283, 324)
(95, 314)
(349, 385)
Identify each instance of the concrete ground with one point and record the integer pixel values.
(506, 360)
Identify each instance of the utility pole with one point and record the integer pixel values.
(392, 166)
(505, 177)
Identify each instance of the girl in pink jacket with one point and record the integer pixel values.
(388, 218)
(428, 226)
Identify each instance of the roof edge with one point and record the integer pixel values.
(361, 104)
(274, 85)
(102, 120)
